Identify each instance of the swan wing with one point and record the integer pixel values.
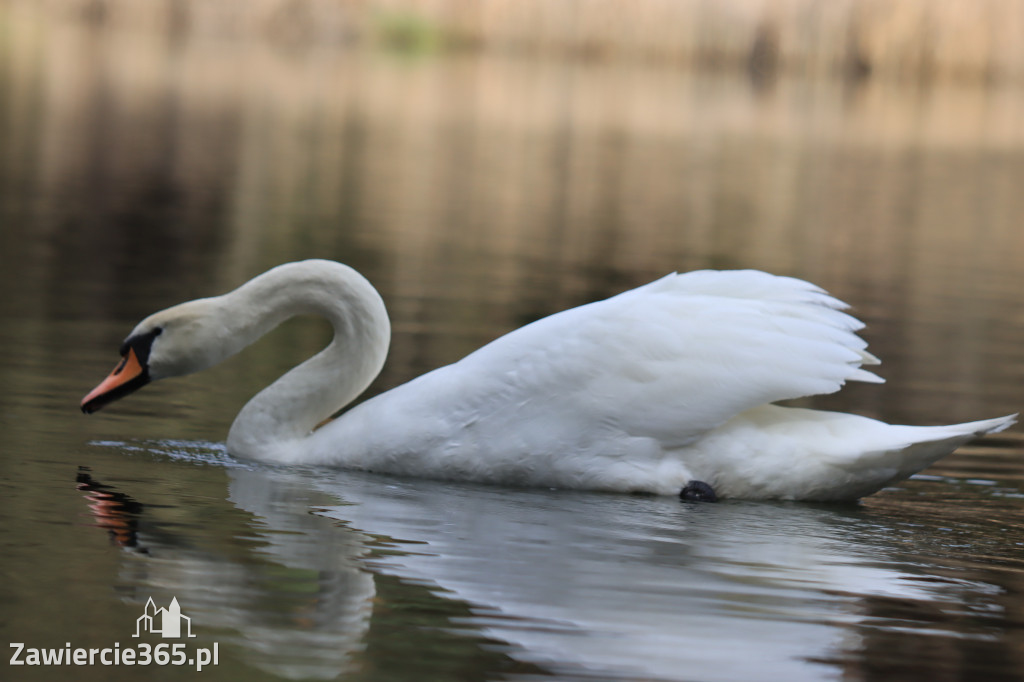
(669, 360)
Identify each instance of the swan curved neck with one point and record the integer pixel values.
(273, 424)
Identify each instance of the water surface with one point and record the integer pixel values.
(479, 194)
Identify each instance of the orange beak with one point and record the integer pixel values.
(128, 376)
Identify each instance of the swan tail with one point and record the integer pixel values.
(938, 441)
(917, 448)
(827, 456)
(986, 426)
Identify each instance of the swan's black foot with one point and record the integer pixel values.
(698, 491)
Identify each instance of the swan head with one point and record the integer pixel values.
(173, 342)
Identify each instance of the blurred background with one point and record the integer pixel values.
(485, 163)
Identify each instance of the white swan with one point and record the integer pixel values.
(663, 389)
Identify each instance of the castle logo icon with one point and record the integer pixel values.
(165, 622)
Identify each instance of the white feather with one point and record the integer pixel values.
(646, 391)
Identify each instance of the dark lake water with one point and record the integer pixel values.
(479, 194)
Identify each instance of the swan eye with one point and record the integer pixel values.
(142, 344)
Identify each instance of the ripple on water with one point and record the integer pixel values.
(580, 583)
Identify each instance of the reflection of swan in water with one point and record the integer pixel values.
(642, 587)
(318, 638)
(637, 588)
(662, 389)
(300, 602)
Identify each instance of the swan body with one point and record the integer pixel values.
(647, 391)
